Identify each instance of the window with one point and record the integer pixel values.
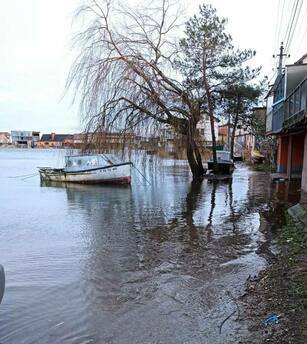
(304, 96)
(291, 106)
(297, 101)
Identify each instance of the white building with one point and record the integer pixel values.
(24, 138)
(204, 129)
(167, 133)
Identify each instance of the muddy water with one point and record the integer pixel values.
(154, 263)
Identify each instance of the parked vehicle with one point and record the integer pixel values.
(89, 169)
(2, 282)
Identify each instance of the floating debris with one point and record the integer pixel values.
(272, 319)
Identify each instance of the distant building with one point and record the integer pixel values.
(79, 139)
(168, 136)
(103, 139)
(4, 137)
(203, 129)
(243, 136)
(24, 138)
(56, 140)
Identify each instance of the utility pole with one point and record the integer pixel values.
(281, 55)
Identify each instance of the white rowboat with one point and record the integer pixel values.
(89, 169)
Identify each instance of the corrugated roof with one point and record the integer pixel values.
(301, 60)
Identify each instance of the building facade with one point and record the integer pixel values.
(24, 138)
(4, 138)
(54, 140)
(287, 119)
(168, 136)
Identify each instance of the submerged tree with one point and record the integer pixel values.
(132, 74)
(211, 64)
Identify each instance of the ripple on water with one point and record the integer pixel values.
(157, 263)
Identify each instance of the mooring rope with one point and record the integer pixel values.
(25, 175)
(141, 174)
(36, 174)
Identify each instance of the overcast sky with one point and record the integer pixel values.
(35, 55)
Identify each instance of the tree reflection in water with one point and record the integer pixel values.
(162, 255)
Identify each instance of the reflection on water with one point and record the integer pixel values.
(147, 264)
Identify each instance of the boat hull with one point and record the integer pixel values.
(115, 174)
(223, 167)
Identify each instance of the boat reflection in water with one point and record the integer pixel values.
(154, 253)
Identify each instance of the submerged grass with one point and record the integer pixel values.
(282, 289)
(265, 167)
(294, 241)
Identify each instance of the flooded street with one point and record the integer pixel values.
(151, 263)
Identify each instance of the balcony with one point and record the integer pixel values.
(296, 106)
(278, 117)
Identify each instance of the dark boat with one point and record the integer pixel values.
(224, 162)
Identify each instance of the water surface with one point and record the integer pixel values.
(151, 263)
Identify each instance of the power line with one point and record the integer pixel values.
(277, 40)
(295, 25)
(301, 34)
(290, 20)
(277, 26)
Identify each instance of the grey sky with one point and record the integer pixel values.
(35, 54)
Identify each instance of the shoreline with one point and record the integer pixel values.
(280, 288)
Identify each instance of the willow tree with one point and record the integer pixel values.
(126, 76)
(131, 73)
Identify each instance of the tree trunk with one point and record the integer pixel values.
(214, 157)
(194, 159)
(235, 123)
(211, 117)
(232, 143)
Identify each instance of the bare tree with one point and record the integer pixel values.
(127, 76)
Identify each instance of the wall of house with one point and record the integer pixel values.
(282, 154)
(304, 174)
(204, 128)
(297, 153)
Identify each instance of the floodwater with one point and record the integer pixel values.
(151, 263)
